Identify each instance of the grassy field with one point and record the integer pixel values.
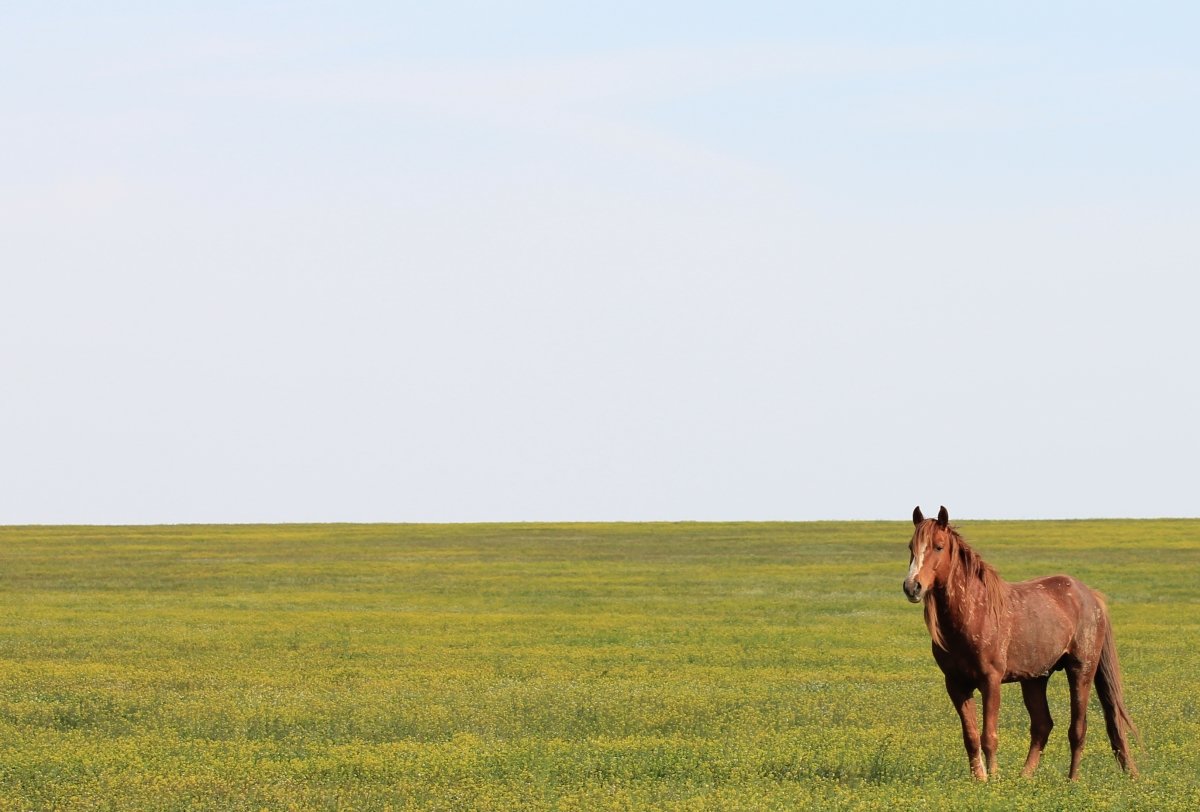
(565, 667)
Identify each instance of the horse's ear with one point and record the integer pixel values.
(943, 517)
(918, 516)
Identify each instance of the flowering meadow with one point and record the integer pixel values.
(553, 667)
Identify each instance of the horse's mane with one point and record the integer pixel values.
(967, 568)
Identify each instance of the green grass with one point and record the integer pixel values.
(575, 666)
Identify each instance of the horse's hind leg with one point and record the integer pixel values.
(1033, 691)
(1080, 682)
(960, 695)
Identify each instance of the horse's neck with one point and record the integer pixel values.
(965, 604)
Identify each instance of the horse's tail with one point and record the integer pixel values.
(1112, 700)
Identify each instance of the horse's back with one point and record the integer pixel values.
(1063, 590)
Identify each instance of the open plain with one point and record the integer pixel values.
(553, 667)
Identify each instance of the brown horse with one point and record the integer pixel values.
(987, 631)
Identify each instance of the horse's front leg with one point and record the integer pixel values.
(960, 695)
(990, 693)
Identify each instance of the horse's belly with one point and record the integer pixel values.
(1032, 668)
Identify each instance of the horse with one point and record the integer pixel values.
(987, 631)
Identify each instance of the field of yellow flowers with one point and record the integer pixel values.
(552, 667)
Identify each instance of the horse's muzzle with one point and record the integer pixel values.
(913, 590)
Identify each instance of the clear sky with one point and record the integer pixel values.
(555, 261)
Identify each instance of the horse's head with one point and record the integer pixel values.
(929, 554)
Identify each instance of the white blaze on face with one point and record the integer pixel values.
(918, 559)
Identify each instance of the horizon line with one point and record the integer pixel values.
(486, 522)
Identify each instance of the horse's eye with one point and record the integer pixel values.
(938, 547)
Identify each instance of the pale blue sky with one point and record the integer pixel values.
(458, 262)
